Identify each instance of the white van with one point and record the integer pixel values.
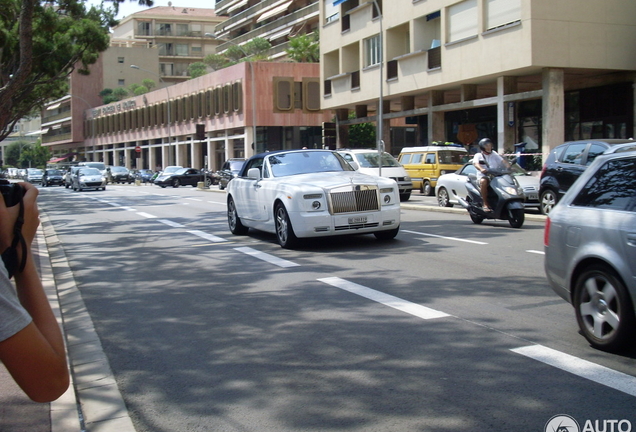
(366, 161)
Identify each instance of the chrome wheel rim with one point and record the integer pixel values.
(281, 225)
(600, 307)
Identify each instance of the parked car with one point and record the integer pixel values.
(12, 173)
(143, 175)
(33, 175)
(366, 161)
(426, 164)
(118, 174)
(88, 178)
(565, 164)
(68, 176)
(228, 171)
(310, 193)
(451, 187)
(590, 253)
(52, 177)
(183, 177)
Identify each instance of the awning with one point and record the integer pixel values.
(280, 34)
(238, 5)
(337, 2)
(52, 107)
(56, 160)
(273, 12)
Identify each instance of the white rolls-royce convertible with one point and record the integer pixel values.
(310, 193)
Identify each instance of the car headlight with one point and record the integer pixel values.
(314, 200)
(511, 190)
(407, 178)
(386, 195)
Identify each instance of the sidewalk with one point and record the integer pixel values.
(93, 402)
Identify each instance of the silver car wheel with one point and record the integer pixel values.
(442, 198)
(548, 201)
(284, 230)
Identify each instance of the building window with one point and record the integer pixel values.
(502, 12)
(196, 50)
(331, 12)
(163, 29)
(121, 82)
(165, 49)
(120, 60)
(195, 30)
(181, 49)
(143, 28)
(166, 69)
(182, 30)
(372, 51)
(462, 20)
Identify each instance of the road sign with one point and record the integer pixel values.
(138, 149)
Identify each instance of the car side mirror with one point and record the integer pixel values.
(354, 165)
(254, 174)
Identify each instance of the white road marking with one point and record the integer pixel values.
(194, 199)
(170, 223)
(535, 252)
(267, 257)
(582, 368)
(446, 238)
(219, 203)
(386, 299)
(146, 215)
(207, 236)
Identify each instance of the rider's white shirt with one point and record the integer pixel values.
(494, 161)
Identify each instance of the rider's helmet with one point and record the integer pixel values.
(483, 142)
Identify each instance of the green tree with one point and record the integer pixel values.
(120, 93)
(148, 83)
(257, 49)
(362, 135)
(197, 69)
(132, 89)
(140, 89)
(216, 61)
(42, 43)
(34, 156)
(12, 153)
(304, 48)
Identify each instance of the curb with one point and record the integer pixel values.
(93, 402)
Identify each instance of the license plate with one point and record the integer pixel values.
(532, 196)
(357, 220)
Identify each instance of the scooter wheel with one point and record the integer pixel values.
(476, 218)
(517, 216)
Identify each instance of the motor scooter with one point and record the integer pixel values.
(505, 197)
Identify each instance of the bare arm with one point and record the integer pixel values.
(35, 355)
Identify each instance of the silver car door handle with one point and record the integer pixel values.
(631, 239)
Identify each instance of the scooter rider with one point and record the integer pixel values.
(485, 160)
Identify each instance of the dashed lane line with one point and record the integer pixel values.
(170, 223)
(386, 299)
(535, 252)
(444, 237)
(267, 257)
(207, 236)
(582, 368)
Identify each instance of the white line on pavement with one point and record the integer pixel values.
(219, 203)
(207, 236)
(582, 368)
(146, 215)
(535, 252)
(194, 199)
(446, 238)
(267, 257)
(170, 223)
(386, 299)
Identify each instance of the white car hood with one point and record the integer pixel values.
(328, 180)
(91, 178)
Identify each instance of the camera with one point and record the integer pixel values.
(12, 192)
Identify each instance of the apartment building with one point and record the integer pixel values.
(534, 71)
(273, 20)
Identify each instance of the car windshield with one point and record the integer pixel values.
(286, 164)
(370, 160)
(235, 166)
(180, 171)
(34, 171)
(518, 171)
(118, 169)
(54, 172)
(89, 171)
(172, 169)
(97, 165)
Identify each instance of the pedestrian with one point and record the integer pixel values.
(31, 342)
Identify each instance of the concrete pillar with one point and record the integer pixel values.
(436, 130)
(196, 154)
(553, 132)
(152, 160)
(342, 132)
(505, 131)
(165, 155)
(248, 150)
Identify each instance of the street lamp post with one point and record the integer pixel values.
(169, 116)
(254, 142)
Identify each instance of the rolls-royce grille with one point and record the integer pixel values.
(355, 201)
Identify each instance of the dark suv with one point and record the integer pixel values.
(565, 164)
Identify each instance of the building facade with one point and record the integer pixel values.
(273, 20)
(533, 71)
(233, 112)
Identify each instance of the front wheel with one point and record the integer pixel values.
(476, 218)
(547, 201)
(176, 183)
(516, 217)
(208, 182)
(405, 196)
(442, 198)
(386, 235)
(603, 308)
(284, 231)
(233, 220)
(427, 189)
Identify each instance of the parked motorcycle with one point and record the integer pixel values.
(505, 197)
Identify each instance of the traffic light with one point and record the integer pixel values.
(329, 135)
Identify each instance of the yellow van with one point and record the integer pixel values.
(425, 164)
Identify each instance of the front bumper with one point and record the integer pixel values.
(321, 224)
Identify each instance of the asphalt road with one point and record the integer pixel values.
(450, 327)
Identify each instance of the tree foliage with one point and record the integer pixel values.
(197, 69)
(255, 50)
(304, 48)
(41, 44)
(362, 135)
(24, 154)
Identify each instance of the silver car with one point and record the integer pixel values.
(88, 178)
(590, 250)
